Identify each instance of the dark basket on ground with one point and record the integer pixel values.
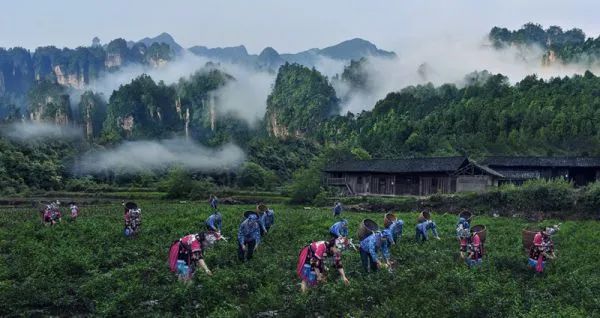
(423, 216)
(366, 228)
(481, 230)
(388, 219)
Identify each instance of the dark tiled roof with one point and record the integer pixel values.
(581, 162)
(441, 164)
(488, 170)
(519, 174)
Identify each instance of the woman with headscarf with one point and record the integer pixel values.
(132, 217)
(74, 210)
(541, 250)
(474, 251)
(464, 235)
(311, 262)
(187, 253)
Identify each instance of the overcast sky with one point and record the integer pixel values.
(288, 26)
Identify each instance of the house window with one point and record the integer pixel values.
(359, 180)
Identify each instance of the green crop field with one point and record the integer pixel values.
(90, 268)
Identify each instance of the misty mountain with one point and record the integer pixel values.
(235, 54)
(165, 38)
(354, 50)
(269, 58)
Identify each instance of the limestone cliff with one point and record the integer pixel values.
(54, 109)
(113, 60)
(74, 80)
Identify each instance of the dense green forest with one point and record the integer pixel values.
(302, 129)
(533, 117)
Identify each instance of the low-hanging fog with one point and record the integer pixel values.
(245, 97)
(29, 131)
(448, 60)
(139, 156)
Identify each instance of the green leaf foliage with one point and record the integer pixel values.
(88, 268)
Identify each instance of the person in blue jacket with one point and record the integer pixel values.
(369, 251)
(267, 219)
(213, 222)
(214, 202)
(339, 229)
(248, 237)
(422, 228)
(396, 230)
(337, 209)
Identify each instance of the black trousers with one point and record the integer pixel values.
(367, 261)
(250, 244)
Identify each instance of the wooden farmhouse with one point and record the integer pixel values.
(579, 170)
(418, 176)
(425, 176)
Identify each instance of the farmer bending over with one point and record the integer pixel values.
(421, 230)
(187, 253)
(248, 237)
(213, 222)
(339, 229)
(396, 230)
(311, 262)
(267, 219)
(369, 248)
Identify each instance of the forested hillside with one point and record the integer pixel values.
(302, 128)
(533, 117)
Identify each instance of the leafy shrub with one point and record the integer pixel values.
(589, 199)
(256, 177)
(180, 185)
(305, 186)
(84, 184)
(544, 195)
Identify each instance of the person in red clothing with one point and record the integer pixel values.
(187, 253)
(541, 250)
(474, 251)
(51, 214)
(133, 218)
(311, 261)
(74, 210)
